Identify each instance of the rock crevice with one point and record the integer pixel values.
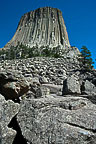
(19, 137)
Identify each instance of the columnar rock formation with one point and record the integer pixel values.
(56, 97)
(41, 27)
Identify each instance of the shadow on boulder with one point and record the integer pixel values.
(19, 139)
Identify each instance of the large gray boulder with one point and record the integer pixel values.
(12, 85)
(71, 85)
(88, 88)
(8, 109)
(61, 120)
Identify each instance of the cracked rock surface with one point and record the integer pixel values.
(12, 85)
(65, 120)
(44, 26)
(45, 116)
(8, 109)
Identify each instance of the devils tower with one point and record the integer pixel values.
(41, 27)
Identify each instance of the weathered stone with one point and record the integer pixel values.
(41, 27)
(13, 90)
(12, 87)
(28, 95)
(58, 120)
(43, 80)
(88, 88)
(54, 70)
(8, 109)
(54, 89)
(35, 80)
(33, 88)
(42, 91)
(71, 85)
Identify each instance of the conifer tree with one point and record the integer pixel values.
(85, 59)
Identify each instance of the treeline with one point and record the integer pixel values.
(21, 51)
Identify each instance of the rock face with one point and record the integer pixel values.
(41, 27)
(88, 88)
(58, 120)
(8, 109)
(71, 85)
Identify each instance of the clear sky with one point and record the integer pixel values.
(79, 17)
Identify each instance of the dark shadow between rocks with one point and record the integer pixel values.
(92, 99)
(19, 139)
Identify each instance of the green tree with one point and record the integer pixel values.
(24, 49)
(85, 59)
(12, 53)
(56, 52)
(47, 52)
(31, 52)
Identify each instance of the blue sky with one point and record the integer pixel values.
(79, 17)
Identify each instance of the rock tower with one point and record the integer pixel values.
(41, 27)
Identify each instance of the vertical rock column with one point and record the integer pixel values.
(41, 27)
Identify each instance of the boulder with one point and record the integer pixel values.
(28, 95)
(12, 86)
(71, 85)
(43, 80)
(58, 120)
(54, 89)
(88, 88)
(35, 80)
(42, 91)
(9, 75)
(8, 109)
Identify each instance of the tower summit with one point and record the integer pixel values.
(41, 27)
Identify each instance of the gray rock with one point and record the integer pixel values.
(43, 80)
(88, 88)
(8, 109)
(49, 25)
(12, 86)
(33, 88)
(54, 70)
(54, 89)
(35, 80)
(42, 91)
(58, 120)
(71, 85)
(28, 95)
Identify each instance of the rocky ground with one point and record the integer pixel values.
(47, 101)
(53, 69)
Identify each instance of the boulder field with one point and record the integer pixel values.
(46, 101)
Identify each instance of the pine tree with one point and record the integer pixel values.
(85, 59)
(24, 50)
